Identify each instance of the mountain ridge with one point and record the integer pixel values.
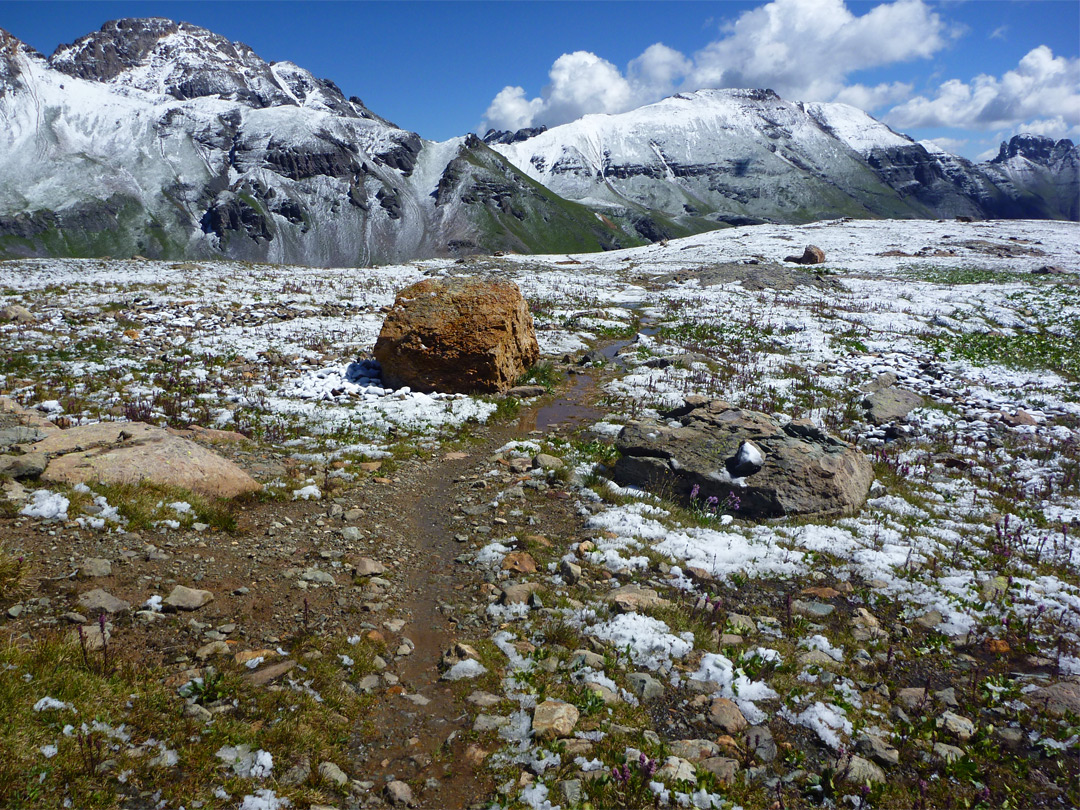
(164, 139)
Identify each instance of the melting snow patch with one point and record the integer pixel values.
(464, 669)
(649, 641)
(46, 505)
(264, 800)
(826, 720)
(310, 492)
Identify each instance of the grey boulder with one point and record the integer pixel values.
(772, 468)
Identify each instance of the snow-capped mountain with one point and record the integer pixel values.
(734, 156)
(163, 139)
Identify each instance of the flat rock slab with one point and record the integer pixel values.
(632, 598)
(773, 468)
(131, 452)
(553, 719)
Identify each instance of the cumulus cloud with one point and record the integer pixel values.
(1043, 90)
(803, 49)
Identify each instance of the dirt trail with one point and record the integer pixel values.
(420, 740)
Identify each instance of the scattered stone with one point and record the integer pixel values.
(804, 470)
(99, 601)
(958, 726)
(94, 567)
(570, 572)
(724, 769)
(399, 794)
(947, 753)
(543, 461)
(519, 562)
(457, 335)
(267, 674)
(633, 597)
(554, 719)
(489, 722)
(759, 739)
(878, 749)
(332, 773)
(890, 405)
(367, 567)
(184, 598)
(727, 715)
(676, 769)
(644, 685)
(212, 650)
(817, 658)
(570, 789)
(859, 771)
(811, 255)
(16, 313)
(1058, 698)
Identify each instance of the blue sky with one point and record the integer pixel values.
(967, 74)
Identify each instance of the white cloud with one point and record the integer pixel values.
(803, 49)
(871, 98)
(953, 145)
(1043, 88)
(999, 33)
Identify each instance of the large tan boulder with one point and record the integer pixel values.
(457, 335)
(130, 452)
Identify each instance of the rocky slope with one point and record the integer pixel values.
(735, 156)
(163, 139)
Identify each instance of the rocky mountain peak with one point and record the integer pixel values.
(172, 58)
(1036, 148)
(11, 48)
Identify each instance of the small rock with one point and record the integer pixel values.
(741, 624)
(632, 598)
(728, 716)
(911, 697)
(570, 572)
(214, 648)
(677, 769)
(931, 620)
(518, 594)
(317, 576)
(332, 773)
(554, 719)
(947, 753)
(367, 567)
(962, 728)
(877, 749)
(184, 598)
(519, 562)
(99, 601)
(859, 771)
(544, 461)
(399, 794)
(644, 685)
(723, 768)
(812, 254)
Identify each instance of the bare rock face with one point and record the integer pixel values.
(773, 469)
(457, 335)
(130, 452)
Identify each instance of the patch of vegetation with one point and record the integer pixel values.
(1030, 351)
